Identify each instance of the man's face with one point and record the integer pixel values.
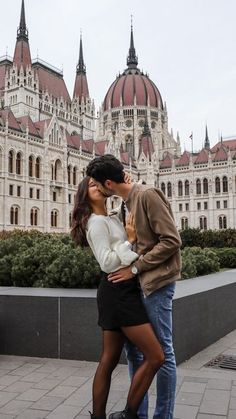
(105, 189)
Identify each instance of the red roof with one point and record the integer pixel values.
(12, 121)
(40, 125)
(130, 85)
(52, 82)
(166, 162)
(26, 121)
(81, 87)
(146, 146)
(202, 157)
(184, 159)
(231, 144)
(221, 154)
(22, 53)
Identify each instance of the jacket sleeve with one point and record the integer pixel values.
(109, 258)
(160, 218)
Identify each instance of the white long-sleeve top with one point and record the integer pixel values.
(108, 240)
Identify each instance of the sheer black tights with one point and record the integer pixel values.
(144, 338)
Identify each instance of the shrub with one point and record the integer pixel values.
(227, 257)
(197, 261)
(208, 238)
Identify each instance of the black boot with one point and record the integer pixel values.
(125, 414)
(97, 417)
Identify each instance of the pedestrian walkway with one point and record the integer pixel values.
(58, 389)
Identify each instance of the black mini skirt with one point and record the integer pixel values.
(120, 304)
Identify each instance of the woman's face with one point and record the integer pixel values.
(94, 194)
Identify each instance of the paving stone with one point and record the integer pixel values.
(2, 416)
(62, 391)
(219, 384)
(191, 399)
(74, 381)
(62, 412)
(48, 403)
(191, 387)
(5, 397)
(214, 407)
(32, 395)
(81, 397)
(6, 380)
(15, 407)
(31, 414)
(63, 372)
(47, 384)
(34, 377)
(232, 414)
(19, 387)
(195, 379)
(185, 412)
(232, 404)
(203, 416)
(25, 369)
(233, 391)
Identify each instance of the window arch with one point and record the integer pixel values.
(54, 218)
(70, 219)
(163, 187)
(37, 167)
(10, 161)
(31, 166)
(34, 216)
(129, 144)
(18, 164)
(184, 223)
(203, 223)
(180, 188)
(69, 169)
(14, 215)
(75, 175)
(225, 184)
(198, 187)
(57, 170)
(217, 184)
(205, 186)
(222, 222)
(186, 188)
(169, 190)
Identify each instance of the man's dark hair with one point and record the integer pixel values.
(106, 167)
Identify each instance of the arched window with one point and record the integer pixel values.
(186, 188)
(52, 172)
(217, 184)
(34, 217)
(74, 176)
(57, 170)
(69, 174)
(37, 168)
(163, 187)
(54, 218)
(203, 223)
(184, 223)
(10, 161)
(129, 144)
(180, 188)
(169, 190)
(18, 163)
(225, 184)
(205, 186)
(222, 222)
(70, 219)
(198, 187)
(14, 215)
(30, 166)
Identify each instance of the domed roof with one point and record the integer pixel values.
(133, 86)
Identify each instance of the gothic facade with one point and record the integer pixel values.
(48, 137)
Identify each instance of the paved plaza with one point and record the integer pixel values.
(60, 389)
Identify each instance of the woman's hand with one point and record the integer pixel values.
(130, 229)
(127, 177)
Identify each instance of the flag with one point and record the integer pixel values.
(191, 136)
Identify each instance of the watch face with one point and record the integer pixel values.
(134, 270)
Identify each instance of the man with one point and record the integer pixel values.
(159, 264)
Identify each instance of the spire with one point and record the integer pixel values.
(132, 59)
(81, 68)
(207, 142)
(22, 31)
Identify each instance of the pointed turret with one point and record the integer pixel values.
(207, 142)
(81, 84)
(22, 56)
(132, 59)
(146, 144)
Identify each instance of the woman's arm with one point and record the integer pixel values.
(109, 258)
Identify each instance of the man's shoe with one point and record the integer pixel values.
(125, 414)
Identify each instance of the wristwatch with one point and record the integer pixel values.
(134, 270)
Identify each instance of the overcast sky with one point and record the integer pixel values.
(188, 47)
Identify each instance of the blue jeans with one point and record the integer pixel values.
(159, 309)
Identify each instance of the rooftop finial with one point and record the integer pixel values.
(132, 59)
(22, 31)
(207, 142)
(81, 68)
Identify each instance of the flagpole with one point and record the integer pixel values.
(192, 140)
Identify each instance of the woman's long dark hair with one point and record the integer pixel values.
(81, 213)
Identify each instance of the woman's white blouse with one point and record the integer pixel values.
(108, 240)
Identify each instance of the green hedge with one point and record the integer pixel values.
(34, 259)
(208, 238)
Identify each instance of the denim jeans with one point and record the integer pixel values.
(159, 309)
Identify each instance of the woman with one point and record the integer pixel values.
(121, 313)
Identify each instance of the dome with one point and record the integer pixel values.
(130, 88)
